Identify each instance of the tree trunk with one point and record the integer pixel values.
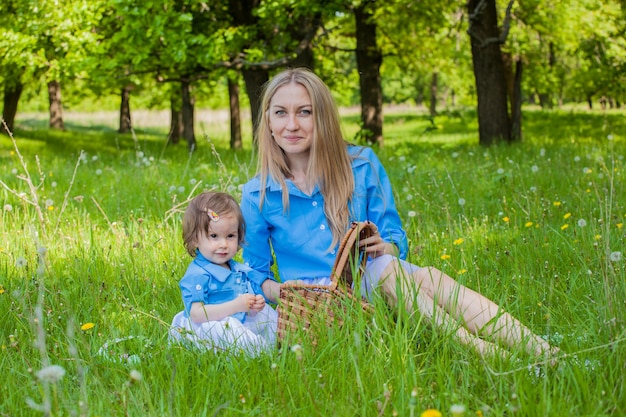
(369, 59)
(493, 118)
(235, 115)
(187, 114)
(12, 93)
(516, 103)
(433, 95)
(254, 82)
(56, 107)
(176, 122)
(125, 122)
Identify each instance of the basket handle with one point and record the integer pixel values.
(349, 251)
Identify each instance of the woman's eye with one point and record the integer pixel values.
(305, 112)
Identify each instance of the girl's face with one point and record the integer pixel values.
(291, 119)
(220, 244)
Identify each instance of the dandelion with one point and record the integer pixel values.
(565, 226)
(542, 152)
(609, 137)
(567, 216)
(94, 158)
(461, 271)
(534, 168)
(172, 188)
(445, 256)
(8, 207)
(181, 189)
(1, 289)
(135, 376)
(52, 374)
(461, 201)
(297, 349)
(533, 189)
(409, 197)
(98, 171)
(431, 412)
(597, 237)
(528, 224)
(49, 203)
(615, 256)
(556, 203)
(54, 184)
(577, 159)
(412, 213)
(87, 326)
(506, 219)
(50, 208)
(20, 262)
(457, 410)
(619, 225)
(458, 241)
(582, 223)
(500, 171)
(14, 171)
(587, 170)
(193, 181)
(455, 154)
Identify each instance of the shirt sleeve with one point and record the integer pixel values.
(381, 206)
(257, 252)
(193, 287)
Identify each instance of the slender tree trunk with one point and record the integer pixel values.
(188, 114)
(493, 118)
(254, 82)
(433, 95)
(176, 122)
(235, 115)
(12, 93)
(56, 106)
(125, 121)
(516, 103)
(369, 59)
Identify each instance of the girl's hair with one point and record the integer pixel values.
(329, 163)
(201, 212)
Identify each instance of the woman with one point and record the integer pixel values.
(311, 184)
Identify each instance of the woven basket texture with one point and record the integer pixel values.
(314, 307)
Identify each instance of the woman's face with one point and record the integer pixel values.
(291, 119)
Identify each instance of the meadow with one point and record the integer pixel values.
(91, 254)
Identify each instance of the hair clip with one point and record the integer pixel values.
(213, 215)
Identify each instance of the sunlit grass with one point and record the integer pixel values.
(538, 227)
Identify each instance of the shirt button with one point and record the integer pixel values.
(314, 204)
(332, 252)
(198, 287)
(322, 227)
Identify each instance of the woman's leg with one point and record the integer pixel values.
(477, 313)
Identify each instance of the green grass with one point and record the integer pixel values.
(533, 226)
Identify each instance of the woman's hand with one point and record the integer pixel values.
(374, 245)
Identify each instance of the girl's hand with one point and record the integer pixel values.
(246, 302)
(375, 246)
(258, 305)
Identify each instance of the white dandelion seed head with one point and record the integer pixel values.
(135, 375)
(49, 203)
(14, 171)
(582, 223)
(609, 136)
(457, 409)
(500, 171)
(52, 374)
(577, 159)
(94, 158)
(405, 190)
(533, 189)
(172, 188)
(231, 189)
(240, 187)
(534, 168)
(20, 262)
(402, 158)
(615, 256)
(455, 154)
(411, 169)
(139, 154)
(193, 181)
(586, 170)
(296, 348)
(542, 152)
(412, 213)
(409, 197)
(461, 201)
(8, 207)
(53, 184)
(181, 189)
(98, 171)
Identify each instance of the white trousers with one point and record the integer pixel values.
(255, 335)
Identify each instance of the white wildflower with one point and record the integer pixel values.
(52, 373)
(582, 223)
(615, 256)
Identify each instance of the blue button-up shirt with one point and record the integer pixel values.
(212, 284)
(300, 236)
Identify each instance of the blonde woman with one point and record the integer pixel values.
(312, 184)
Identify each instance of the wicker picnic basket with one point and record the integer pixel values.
(302, 304)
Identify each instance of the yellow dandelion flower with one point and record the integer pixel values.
(565, 226)
(528, 224)
(479, 413)
(567, 216)
(588, 190)
(12, 153)
(461, 271)
(598, 237)
(445, 256)
(556, 203)
(505, 219)
(458, 241)
(619, 225)
(50, 208)
(1, 289)
(87, 326)
(431, 412)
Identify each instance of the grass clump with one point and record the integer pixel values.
(91, 254)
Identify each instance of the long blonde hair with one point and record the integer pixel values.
(329, 162)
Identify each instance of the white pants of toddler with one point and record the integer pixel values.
(255, 335)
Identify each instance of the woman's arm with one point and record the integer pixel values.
(201, 313)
